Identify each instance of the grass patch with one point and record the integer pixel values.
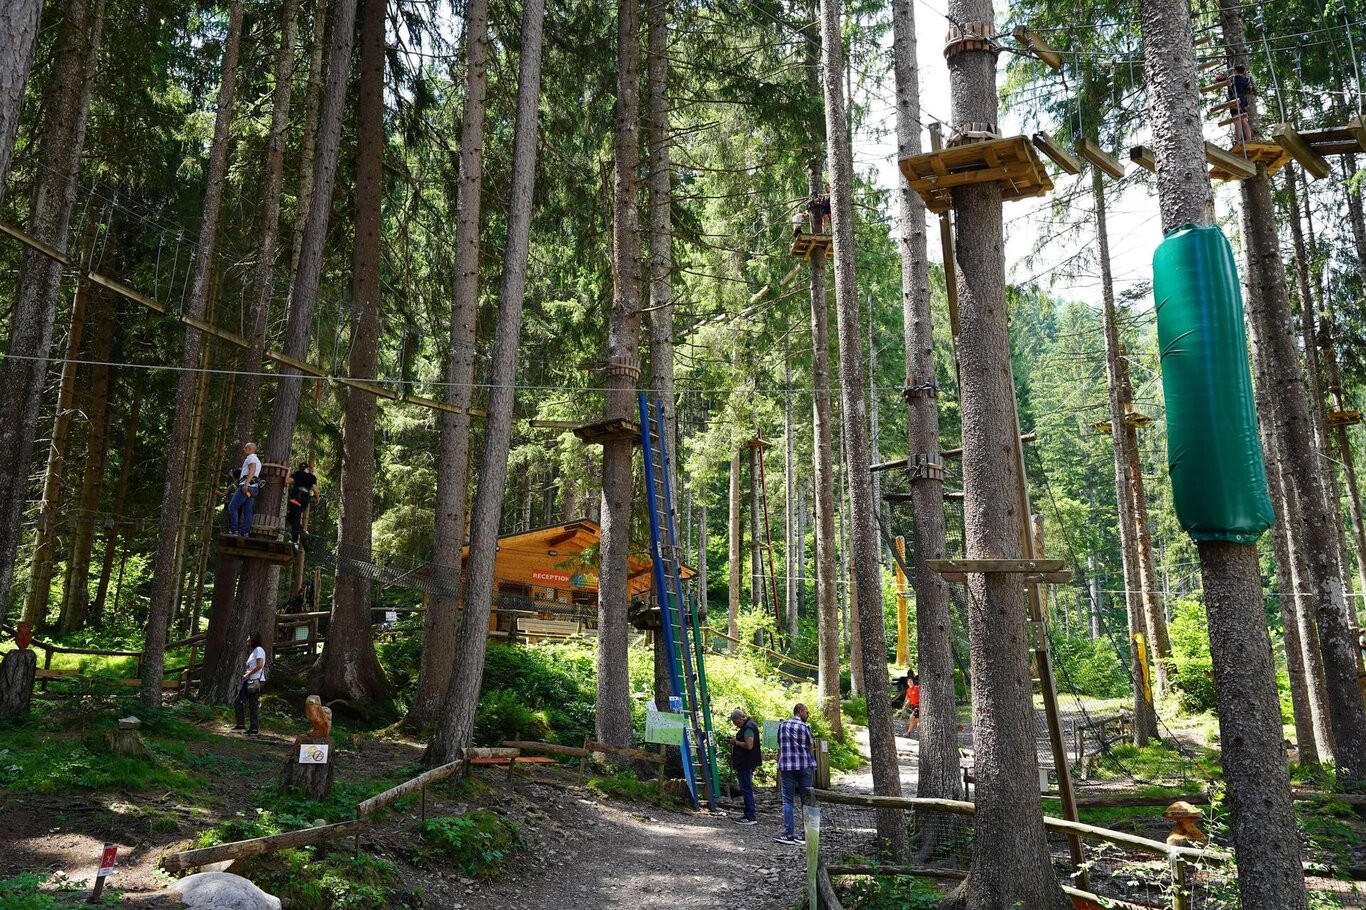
(475, 843)
(624, 785)
(26, 891)
(876, 892)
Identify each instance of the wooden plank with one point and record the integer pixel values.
(124, 290)
(1357, 129)
(209, 328)
(654, 758)
(1100, 158)
(1224, 106)
(241, 849)
(1143, 156)
(1038, 47)
(548, 748)
(365, 385)
(1227, 166)
(394, 794)
(1217, 85)
(302, 366)
(994, 566)
(35, 244)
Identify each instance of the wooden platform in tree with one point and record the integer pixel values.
(276, 551)
(1013, 163)
(608, 430)
(1251, 154)
(809, 246)
(1344, 418)
(1133, 419)
(1050, 571)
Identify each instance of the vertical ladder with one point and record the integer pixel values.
(678, 624)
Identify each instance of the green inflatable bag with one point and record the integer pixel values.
(1213, 450)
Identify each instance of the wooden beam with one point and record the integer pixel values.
(365, 385)
(1143, 156)
(995, 566)
(394, 794)
(302, 366)
(1059, 155)
(1100, 158)
(241, 849)
(1357, 128)
(209, 328)
(1240, 168)
(35, 244)
(655, 758)
(124, 290)
(548, 748)
(1038, 47)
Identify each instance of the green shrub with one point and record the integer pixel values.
(503, 715)
(304, 880)
(891, 893)
(476, 843)
(1090, 667)
(1192, 671)
(624, 785)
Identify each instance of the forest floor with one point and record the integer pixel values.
(579, 845)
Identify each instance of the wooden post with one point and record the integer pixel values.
(1180, 883)
(903, 648)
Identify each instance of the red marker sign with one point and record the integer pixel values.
(107, 859)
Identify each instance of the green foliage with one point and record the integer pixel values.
(25, 891)
(1192, 676)
(1091, 668)
(309, 879)
(476, 843)
(624, 785)
(503, 715)
(554, 685)
(857, 710)
(892, 892)
(57, 764)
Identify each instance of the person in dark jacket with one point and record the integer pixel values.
(1240, 89)
(746, 755)
(303, 487)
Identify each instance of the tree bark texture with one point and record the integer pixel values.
(792, 594)
(267, 241)
(308, 143)
(1144, 717)
(623, 369)
(756, 575)
(18, 34)
(254, 607)
(66, 100)
(165, 578)
(452, 484)
(733, 538)
(348, 667)
(660, 169)
(49, 506)
(113, 534)
(1253, 755)
(1010, 864)
(17, 672)
(455, 729)
(76, 590)
(867, 576)
(939, 766)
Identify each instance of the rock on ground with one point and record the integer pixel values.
(222, 891)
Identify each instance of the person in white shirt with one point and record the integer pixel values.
(242, 506)
(249, 694)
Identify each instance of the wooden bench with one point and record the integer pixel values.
(538, 629)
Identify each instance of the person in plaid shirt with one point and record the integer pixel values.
(796, 766)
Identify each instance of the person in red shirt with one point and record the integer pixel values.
(913, 703)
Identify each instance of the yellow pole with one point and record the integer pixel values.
(903, 651)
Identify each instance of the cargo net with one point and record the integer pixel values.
(939, 856)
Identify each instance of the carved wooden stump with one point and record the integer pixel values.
(17, 672)
(313, 780)
(126, 740)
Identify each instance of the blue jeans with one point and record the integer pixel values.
(746, 778)
(793, 782)
(241, 509)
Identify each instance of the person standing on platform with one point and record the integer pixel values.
(796, 768)
(242, 506)
(822, 208)
(303, 489)
(1240, 90)
(746, 755)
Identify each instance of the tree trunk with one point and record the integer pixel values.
(1154, 610)
(452, 485)
(623, 368)
(792, 592)
(18, 34)
(867, 576)
(939, 767)
(348, 668)
(263, 276)
(660, 169)
(164, 576)
(756, 574)
(1269, 321)
(1010, 865)
(308, 144)
(1145, 718)
(45, 543)
(733, 555)
(703, 582)
(1249, 716)
(114, 531)
(66, 100)
(76, 590)
(1315, 679)
(456, 726)
(254, 606)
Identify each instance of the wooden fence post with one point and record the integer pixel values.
(1180, 883)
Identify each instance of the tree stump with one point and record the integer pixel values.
(126, 740)
(309, 778)
(17, 672)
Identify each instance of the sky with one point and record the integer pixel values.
(1133, 217)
